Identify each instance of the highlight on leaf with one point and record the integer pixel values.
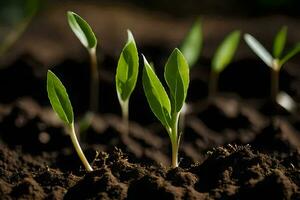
(177, 78)
(82, 30)
(156, 95)
(226, 51)
(59, 98)
(279, 42)
(192, 43)
(126, 76)
(259, 50)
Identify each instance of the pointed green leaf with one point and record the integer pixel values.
(226, 51)
(259, 50)
(290, 54)
(59, 98)
(192, 44)
(177, 78)
(82, 30)
(127, 70)
(156, 95)
(279, 42)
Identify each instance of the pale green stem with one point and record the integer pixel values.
(213, 83)
(174, 139)
(78, 149)
(94, 82)
(125, 114)
(275, 80)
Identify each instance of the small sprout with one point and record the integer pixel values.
(61, 104)
(166, 109)
(222, 59)
(86, 36)
(276, 61)
(192, 44)
(126, 76)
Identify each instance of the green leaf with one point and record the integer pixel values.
(177, 78)
(156, 95)
(279, 42)
(59, 99)
(127, 70)
(290, 54)
(82, 30)
(226, 51)
(259, 50)
(192, 44)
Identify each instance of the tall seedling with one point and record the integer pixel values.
(61, 104)
(276, 61)
(222, 59)
(86, 36)
(168, 108)
(126, 76)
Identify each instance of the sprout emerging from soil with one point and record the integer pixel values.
(86, 36)
(276, 61)
(192, 44)
(126, 76)
(61, 104)
(222, 59)
(166, 109)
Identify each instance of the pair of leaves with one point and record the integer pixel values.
(177, 78)
(59, 98)
(226, 51)
(127, 70)
(192, 44)
(278, 47)
(82, 30)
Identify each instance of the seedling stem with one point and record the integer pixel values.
(94, 84)
(78, 148)
(213, 83)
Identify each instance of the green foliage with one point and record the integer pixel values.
(259, 50)
(127, 70)
(82, 30)
(279, 42)
(59, 99)
(156, 95)
(192, 44)
(290, 54)
(226, 51)
(278, 46)
(177, 78)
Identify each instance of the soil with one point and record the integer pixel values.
(232, 148)
(237, 145)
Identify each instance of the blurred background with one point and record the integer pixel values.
(35, 36)
(39, 27)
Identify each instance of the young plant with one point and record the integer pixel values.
(192, 44)
(168, 108)
(61, 104)
(222, 58)
(276, 61)
(86, 36)
(126, 76)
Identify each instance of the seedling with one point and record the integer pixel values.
(168, 108)
(126, 76)
(192, 44)
(61, 104)
(222, 59)
(276, 61)
(86, 36)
